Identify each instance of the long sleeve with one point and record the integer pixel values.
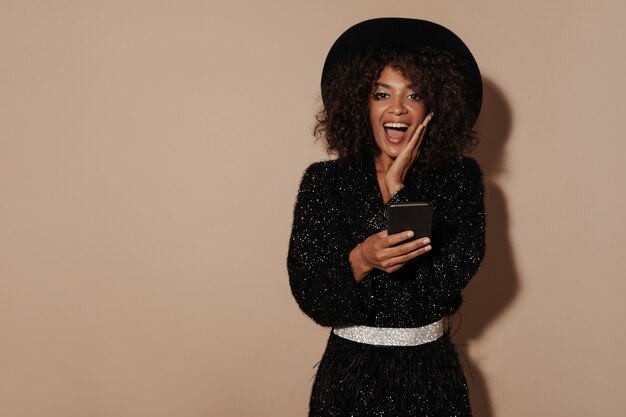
(457, 254)
(320, 275)
(458, 235)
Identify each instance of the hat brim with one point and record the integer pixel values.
(402, 32)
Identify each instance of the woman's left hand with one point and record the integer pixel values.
(400, 167)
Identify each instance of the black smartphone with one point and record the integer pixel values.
(417, 217)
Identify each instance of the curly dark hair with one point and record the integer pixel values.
(344, 124)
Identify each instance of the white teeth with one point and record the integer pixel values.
(396, 125)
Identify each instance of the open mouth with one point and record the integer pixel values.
(396, 131)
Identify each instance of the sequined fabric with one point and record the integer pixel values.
(391, 336)
(338, 206)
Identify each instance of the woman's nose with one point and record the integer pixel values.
(397, 106)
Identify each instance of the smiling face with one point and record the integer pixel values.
(396, 110)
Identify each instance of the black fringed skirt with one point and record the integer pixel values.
(359, 380)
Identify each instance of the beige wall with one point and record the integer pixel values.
(150, 153)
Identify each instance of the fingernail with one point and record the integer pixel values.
(426, 241)
(410, 233)
(427, 248)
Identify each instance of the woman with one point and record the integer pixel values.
(401, 97)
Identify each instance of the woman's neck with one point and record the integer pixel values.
(382, 163)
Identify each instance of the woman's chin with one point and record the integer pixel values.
(394, 150)
(391, 150)
(391, 153)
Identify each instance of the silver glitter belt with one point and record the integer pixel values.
(392, 336)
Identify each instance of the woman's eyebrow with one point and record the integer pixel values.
(411, 86)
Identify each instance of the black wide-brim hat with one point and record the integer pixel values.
(395, 32)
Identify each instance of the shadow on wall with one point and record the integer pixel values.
(495, 286)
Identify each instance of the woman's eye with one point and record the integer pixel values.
(380, 96)
(414, 97)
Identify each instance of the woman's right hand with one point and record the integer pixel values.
(394, 179)
(378, 252)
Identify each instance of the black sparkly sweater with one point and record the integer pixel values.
(340, 205)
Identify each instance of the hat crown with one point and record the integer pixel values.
(396, 32)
